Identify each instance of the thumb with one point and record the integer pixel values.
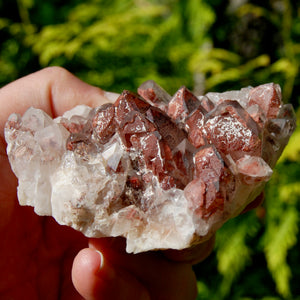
(95, 277)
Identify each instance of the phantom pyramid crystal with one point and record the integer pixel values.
(164, 172)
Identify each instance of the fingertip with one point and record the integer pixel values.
(91, 273)
(95, 278)
(90, 259)
(85, 267)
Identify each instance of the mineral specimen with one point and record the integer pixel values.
(164, 172)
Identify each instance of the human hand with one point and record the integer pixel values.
(39, 256)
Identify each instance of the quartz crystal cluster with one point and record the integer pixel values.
(163, 171)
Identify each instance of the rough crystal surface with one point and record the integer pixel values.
(163, 171)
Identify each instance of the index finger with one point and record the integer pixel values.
(53, 89)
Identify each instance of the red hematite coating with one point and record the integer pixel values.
(182, 104)
(155, 95)
(104, 123)
(184, 140)
(268, 97)
(194, 126)
(212, 173)
(231, 129)
(150, 131)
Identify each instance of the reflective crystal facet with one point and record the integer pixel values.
(161, 171)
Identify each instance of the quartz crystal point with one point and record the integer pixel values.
(164, 172)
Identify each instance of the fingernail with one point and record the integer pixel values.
(105, 270)
(101, 259)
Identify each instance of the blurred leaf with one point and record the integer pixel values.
(233, 253)
(279, 240)
(4, 23)
(292, 150)
(199, 18)
(237, 73)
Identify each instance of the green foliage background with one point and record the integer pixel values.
(207, 46)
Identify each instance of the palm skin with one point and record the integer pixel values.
(37, 257)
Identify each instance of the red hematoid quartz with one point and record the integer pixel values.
(212, 152)
(189, 143)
